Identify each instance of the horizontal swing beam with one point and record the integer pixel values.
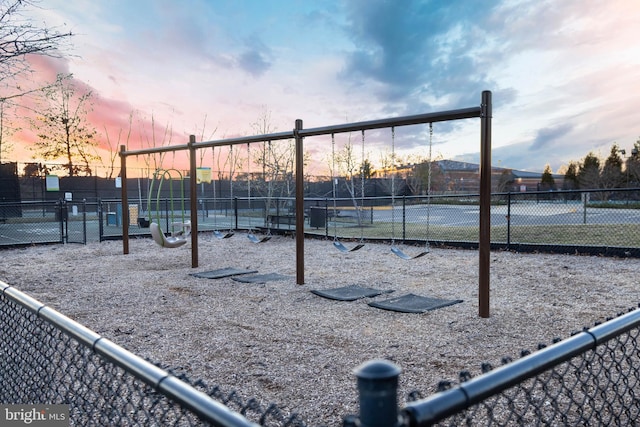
(443, 116)
(154, 150)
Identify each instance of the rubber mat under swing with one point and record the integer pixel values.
(349, 293)
(411, 303)
(222, 272)
(260, 278)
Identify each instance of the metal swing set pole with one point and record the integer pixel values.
(485, 205)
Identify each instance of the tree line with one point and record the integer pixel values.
(621, 169)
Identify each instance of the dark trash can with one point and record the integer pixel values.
(317, 217)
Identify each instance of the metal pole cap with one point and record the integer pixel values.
(377, 370)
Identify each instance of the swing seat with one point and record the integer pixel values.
(253, 238)
(220, 235)
(164, 241)
(342, 248)
(402, 255)
(184, 227)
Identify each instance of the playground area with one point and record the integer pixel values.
(278, 342)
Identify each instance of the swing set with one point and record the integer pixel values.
(483, 111)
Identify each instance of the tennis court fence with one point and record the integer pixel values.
(597, 222)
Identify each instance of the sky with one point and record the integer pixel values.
(564, 74)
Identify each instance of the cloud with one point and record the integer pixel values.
(550, 135)
(47, 68)
(415, 44)
(254, 62)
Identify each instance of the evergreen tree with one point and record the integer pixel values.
(589, 172)
(571, 177)
(611, 175)
(366, 169)
(633, 165)
(547, 182)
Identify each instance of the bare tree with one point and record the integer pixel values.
(263, 126)
(387, 164)
(6, 130)
(203, 151)
(114, 149)
(19, 37)
(505, 181)
(63, 129)
(347, 166)
(416, 175)
(387, 174)
(276, 160)
(154, 161)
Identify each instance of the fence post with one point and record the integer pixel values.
(404, 218)
(585, 201)
(378, 393)
(326, 217)
(235, 210)
(509, 220)
(58, 209)
(100, 219)
(84, 221)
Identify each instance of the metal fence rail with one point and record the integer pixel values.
(47, 357)
(590, 378)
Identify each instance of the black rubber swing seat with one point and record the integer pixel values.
(221, 235)
(342, 248)
(402, 255)
(254, 239)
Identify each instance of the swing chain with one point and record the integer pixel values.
(429, 184)
(393, 185)
(333, 186)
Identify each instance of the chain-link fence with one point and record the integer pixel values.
(596, 222)
(46, 357)
(599, 222)
(590, 378)
(29, 223)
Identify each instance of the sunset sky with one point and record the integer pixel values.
(565, 74)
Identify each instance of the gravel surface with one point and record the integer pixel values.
(277, 342)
